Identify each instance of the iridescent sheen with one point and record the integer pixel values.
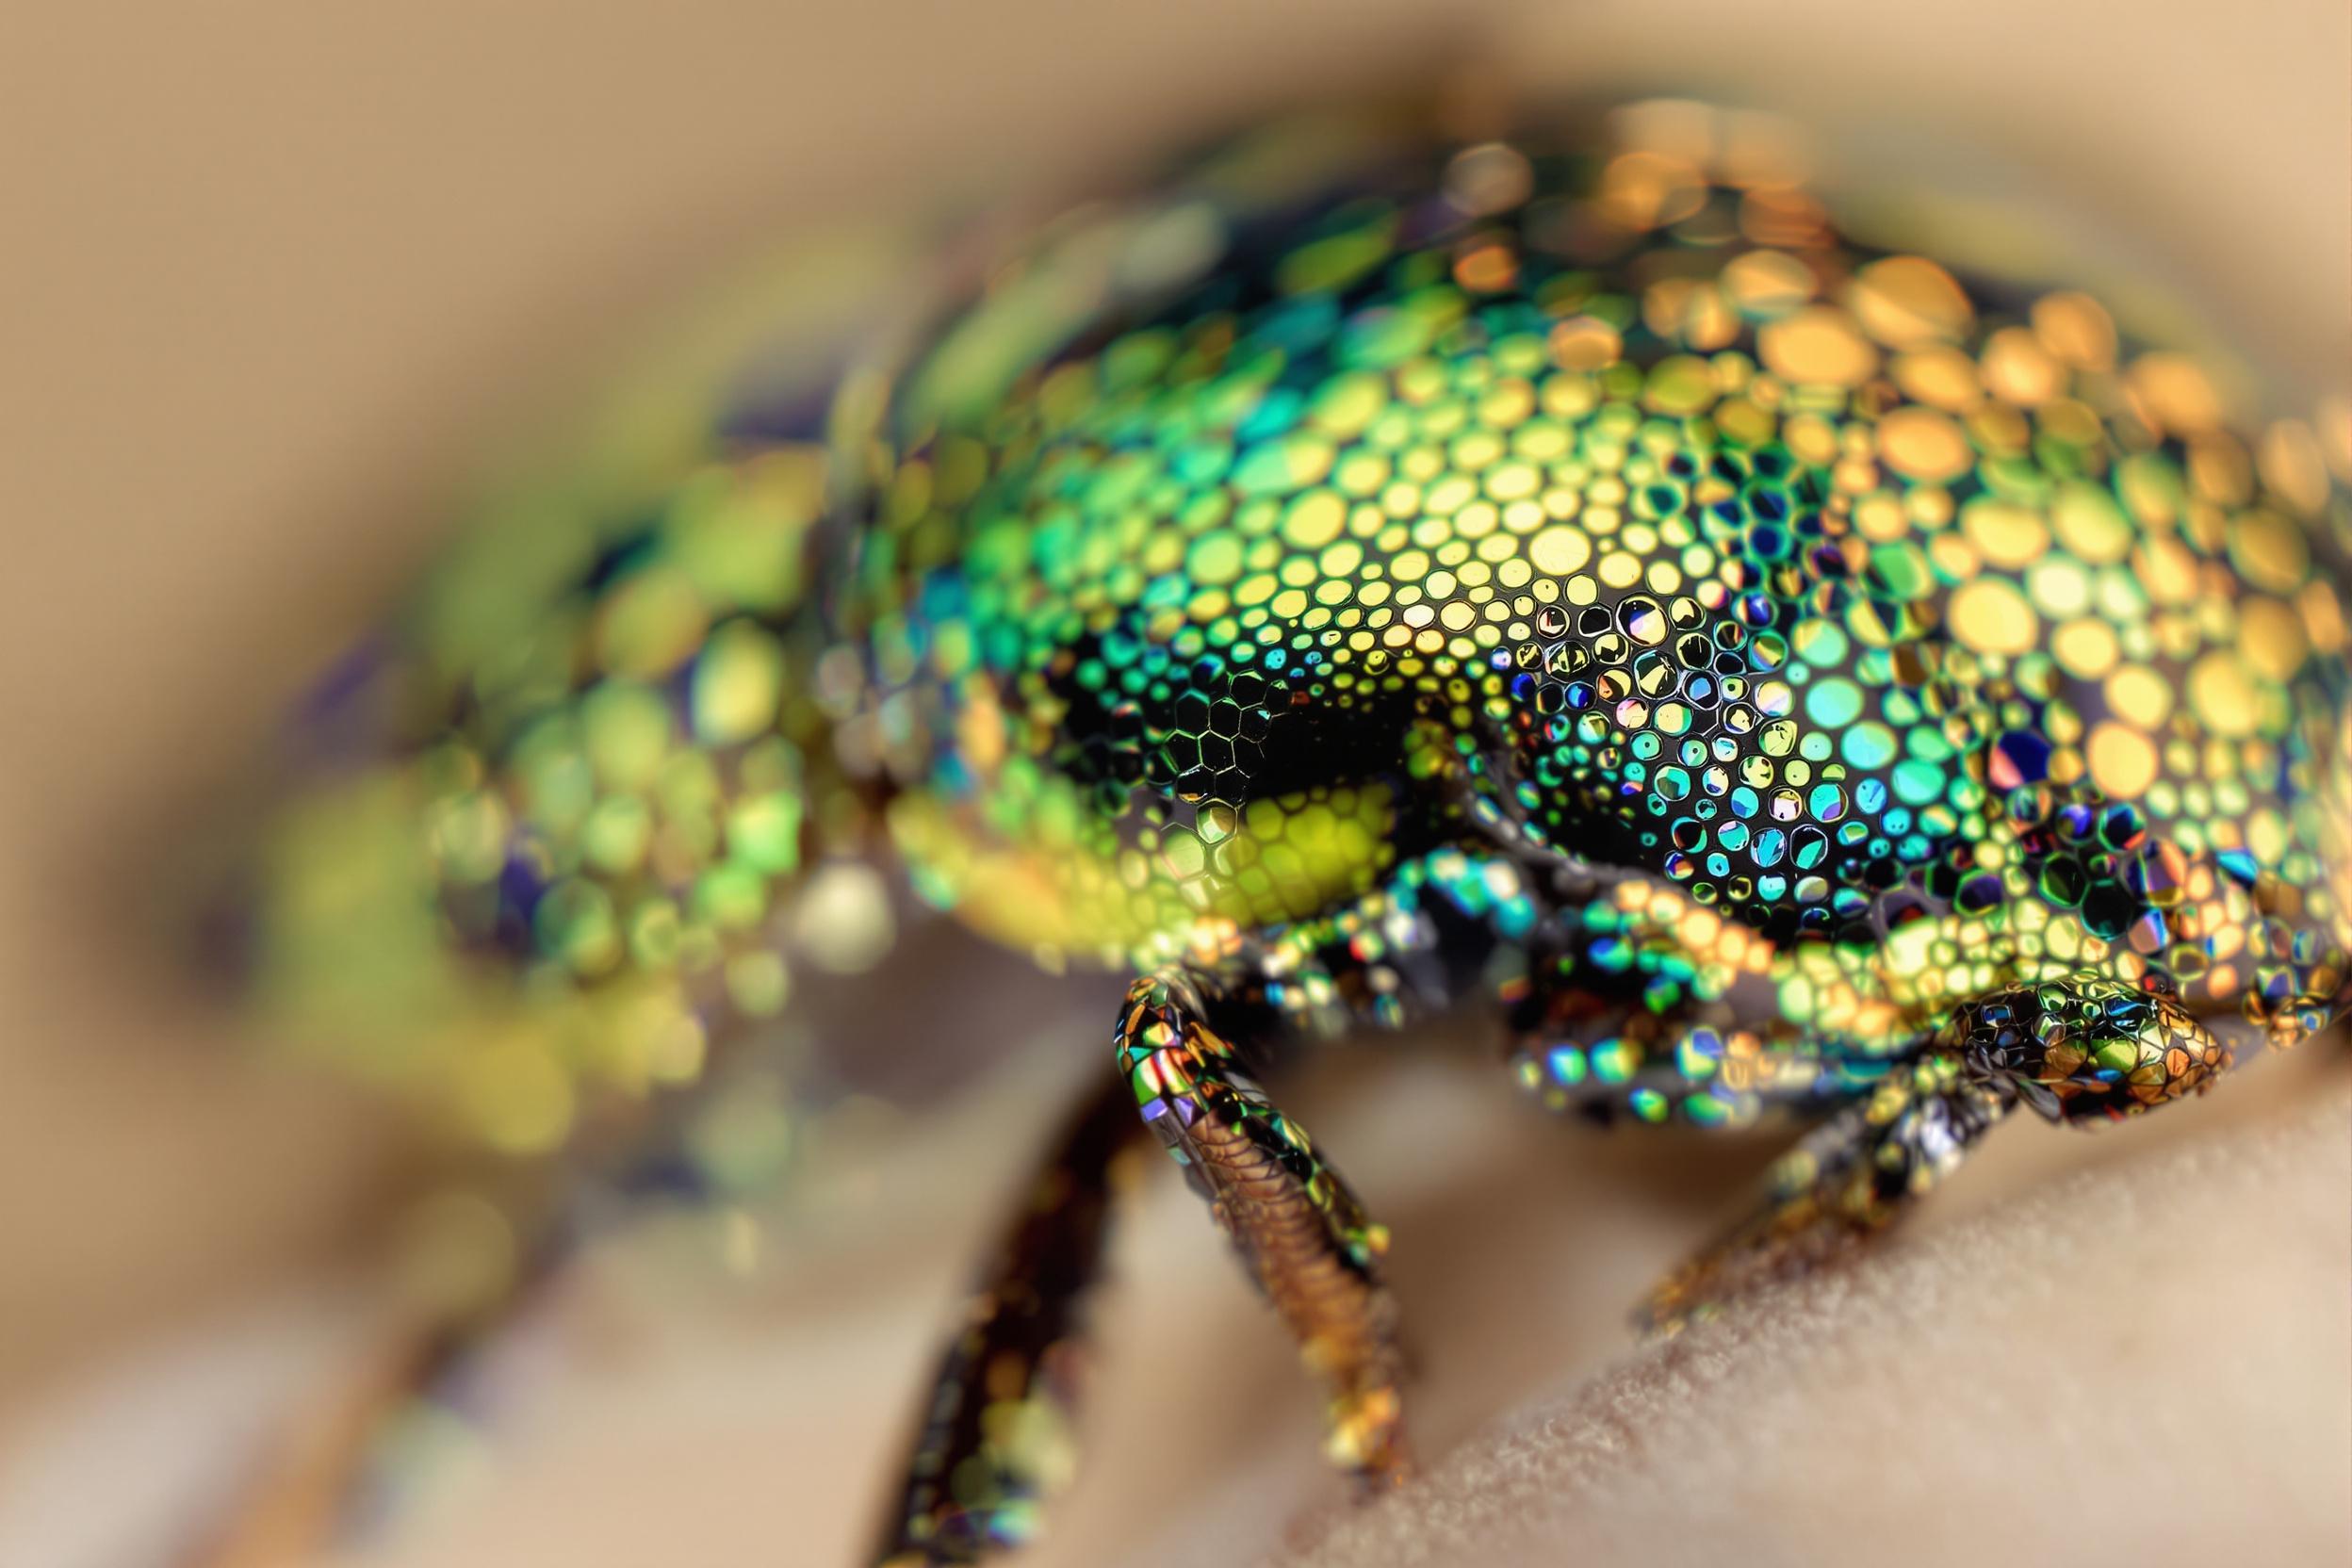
(1564, 577)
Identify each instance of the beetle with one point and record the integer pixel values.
(1567, 581)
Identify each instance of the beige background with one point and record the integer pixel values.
(270, 272)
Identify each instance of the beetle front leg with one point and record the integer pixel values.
(2078, 1049)
(1300, 1230)
(1844, 1181)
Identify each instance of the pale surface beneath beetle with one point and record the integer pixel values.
(2134, 1342)
(2034, 1384)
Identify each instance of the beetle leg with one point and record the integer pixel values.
(995, 1433)
(2080, 1049)
(1300, 1232)
(1398, 953)
(1848, 1179)
(1711, 1074)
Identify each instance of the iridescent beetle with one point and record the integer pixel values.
(1562, 580)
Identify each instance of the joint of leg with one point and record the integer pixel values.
(2086, 1049)
(1161, 1037)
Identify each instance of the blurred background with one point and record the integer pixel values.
(279, 277)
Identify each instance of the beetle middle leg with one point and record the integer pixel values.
(1401, 952)
(1395, 953)
(1299, 1229)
